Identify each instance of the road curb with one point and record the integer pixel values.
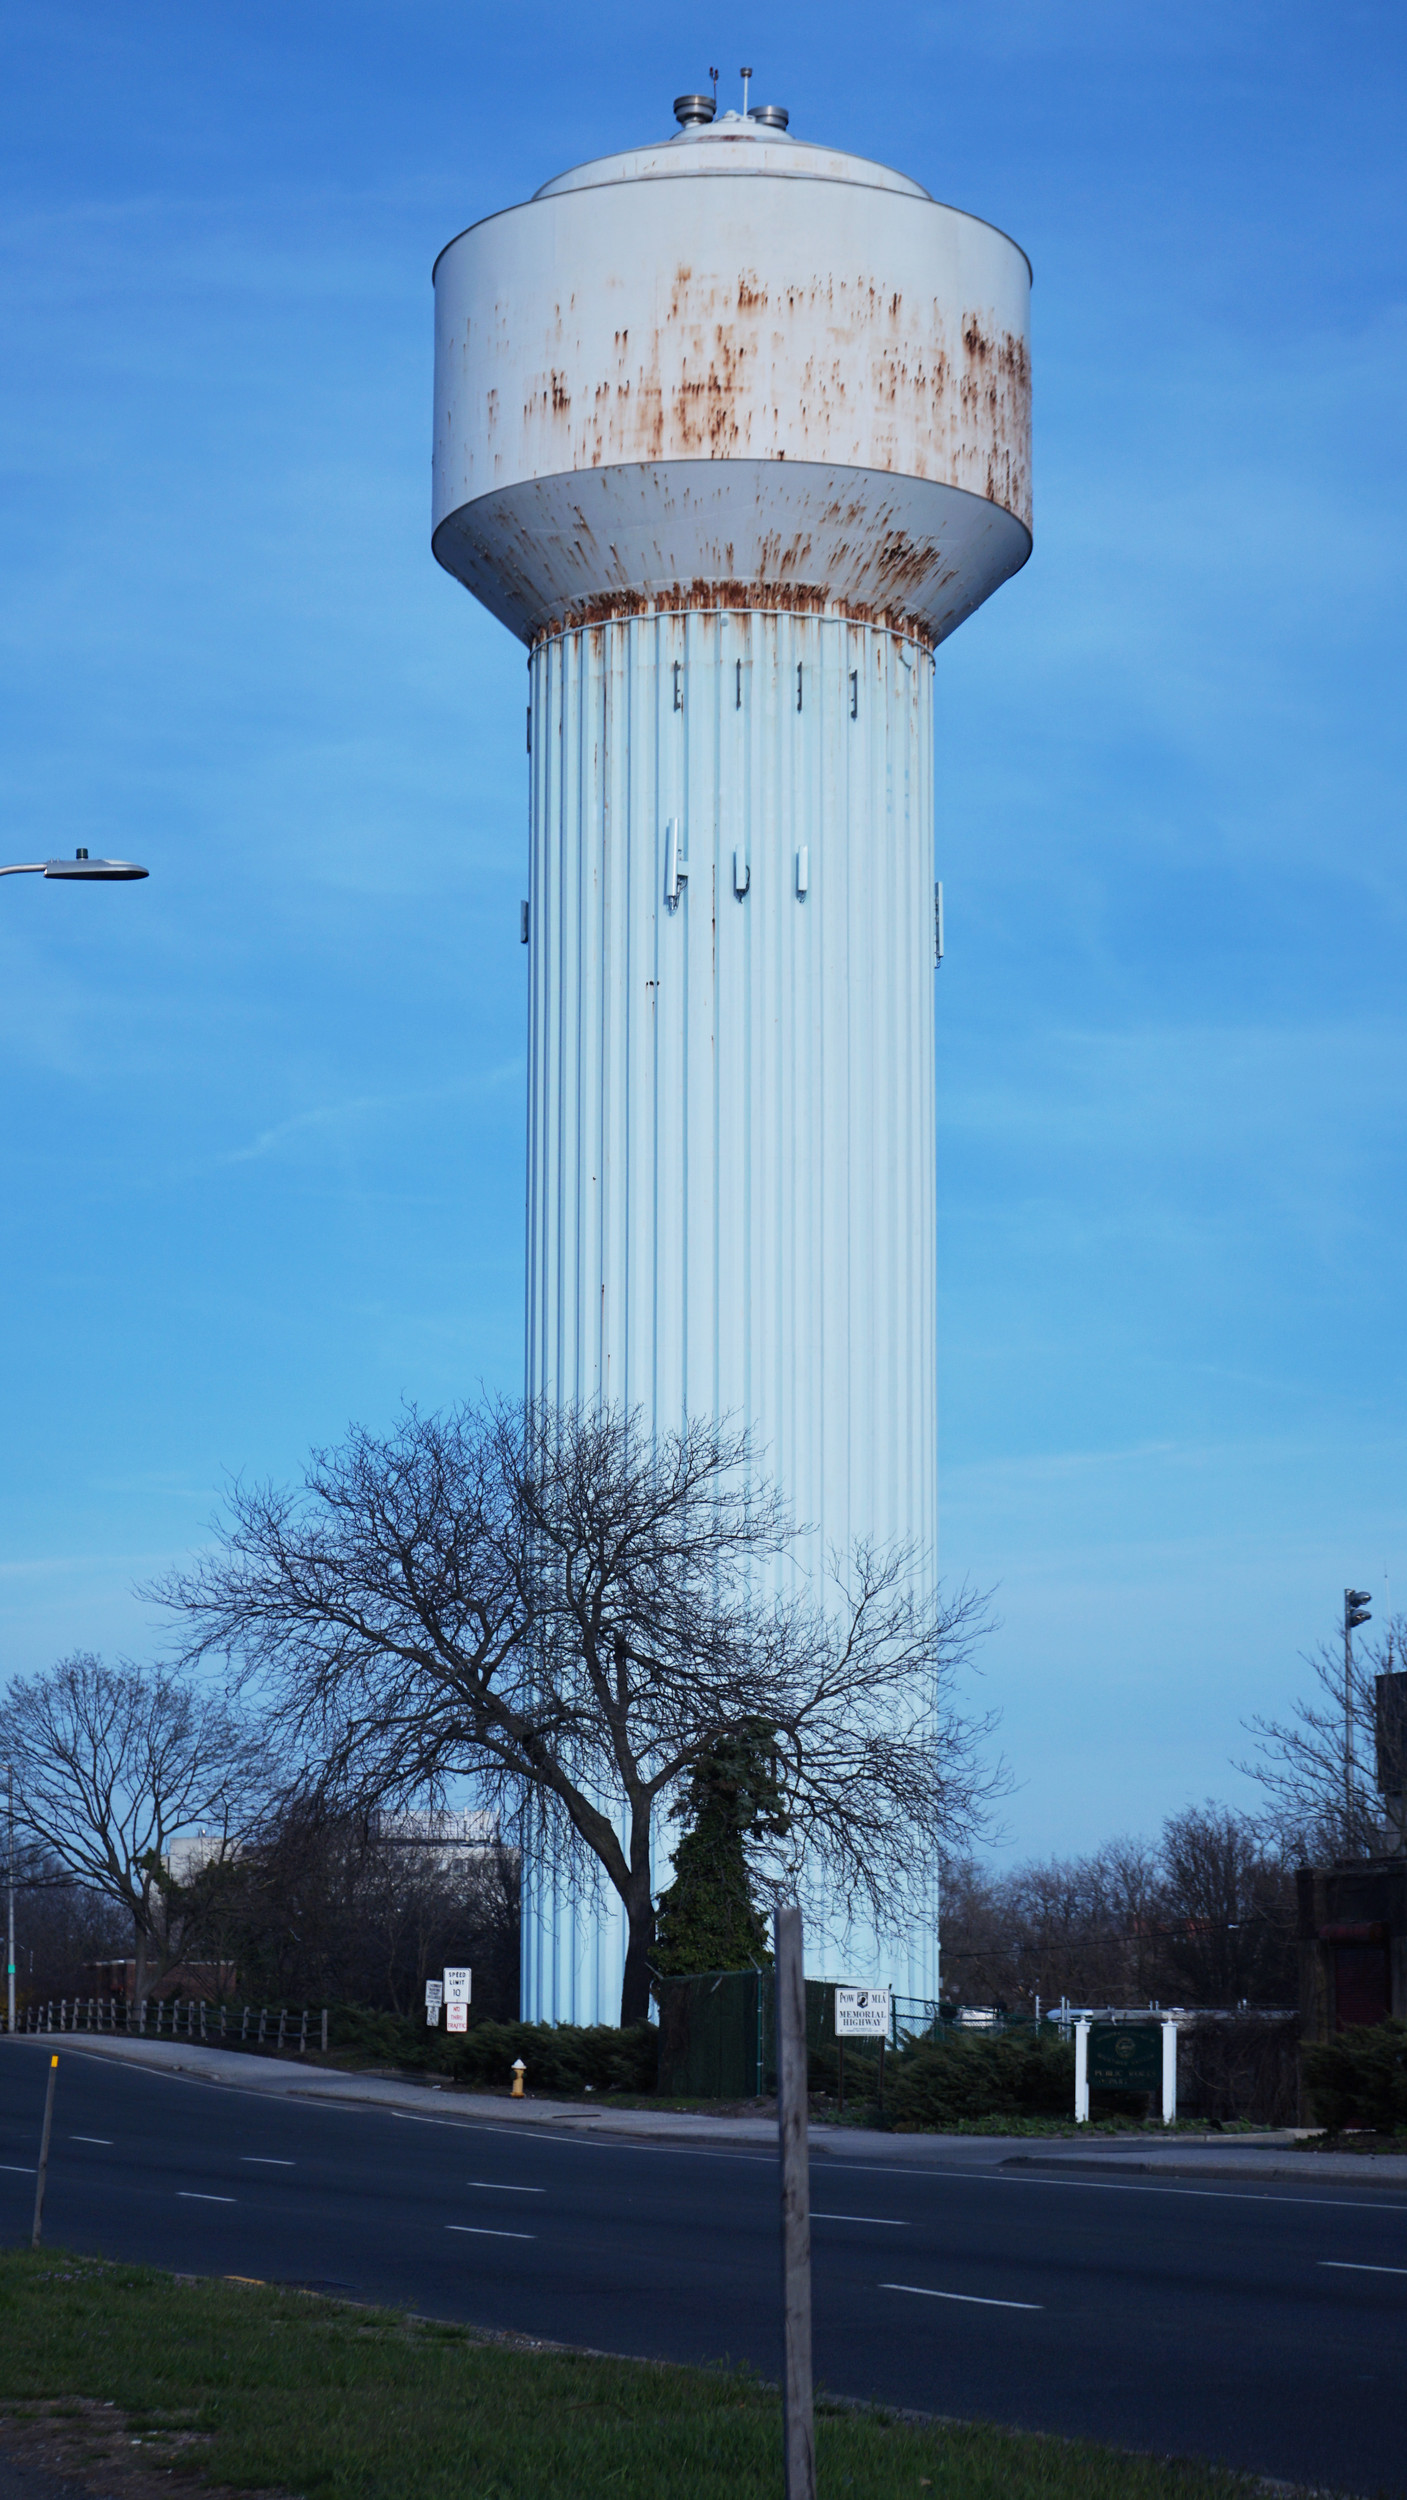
(1368, 2169)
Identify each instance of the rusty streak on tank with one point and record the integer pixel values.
(702, 598)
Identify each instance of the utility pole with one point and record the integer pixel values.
(798, 2407)
(10, 1902)
(1355, 1611)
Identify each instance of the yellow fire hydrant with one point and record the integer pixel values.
(519, 2070)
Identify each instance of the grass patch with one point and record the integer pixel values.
(259, 2388)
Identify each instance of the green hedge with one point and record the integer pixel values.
(559, 2057)
(1360, 2079)
(1012, 2076)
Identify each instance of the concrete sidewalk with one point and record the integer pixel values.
(1267, 2158)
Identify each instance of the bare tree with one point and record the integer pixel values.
(1317, 1767)
(569, 1613)
(1206, 1915)
(111, 1765)
(324, 1906)
(1227, 1910)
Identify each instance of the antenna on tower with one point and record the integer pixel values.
(713, 74)
(746, 77)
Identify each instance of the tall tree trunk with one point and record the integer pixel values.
(640, 1944)
(139, 1937)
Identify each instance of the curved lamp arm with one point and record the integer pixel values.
(97, 871)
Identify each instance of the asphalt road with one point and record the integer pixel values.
(1262, 2326)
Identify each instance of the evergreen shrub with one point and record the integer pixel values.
(1009, 2075)
(559, 2057)
(1360, 2078)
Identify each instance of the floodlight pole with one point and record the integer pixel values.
(1355, 1611)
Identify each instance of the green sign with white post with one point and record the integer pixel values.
(1126, 2057)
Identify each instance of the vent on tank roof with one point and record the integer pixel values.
(694, 112)
(770, 116)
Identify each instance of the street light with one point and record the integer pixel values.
(1355, 1611)
(98, 871)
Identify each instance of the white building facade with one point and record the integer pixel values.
(733, 431)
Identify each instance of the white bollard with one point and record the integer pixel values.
(1169, 2073)
(1081, 2074)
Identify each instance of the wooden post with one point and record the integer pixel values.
(324, 2031)
(44, 2151)
(799, 2427)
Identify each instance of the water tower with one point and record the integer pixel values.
(732, 431)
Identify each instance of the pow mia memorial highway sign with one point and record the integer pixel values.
(862, 2013)
(434, 1999)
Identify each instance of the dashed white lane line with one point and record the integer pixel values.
(196, 2196)
(92, 2139)
(878, 2222)
(503, 2187)
(1346, 2265)
(477, 2232)
(268, 2161)
(974, 2299)
(26, 2166)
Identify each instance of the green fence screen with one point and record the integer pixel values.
(718, 2033)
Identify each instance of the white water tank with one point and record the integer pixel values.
(732, 431)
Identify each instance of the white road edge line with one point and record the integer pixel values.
(197, 2196)
(879, 2222)
(476, 2231)
(505, 2187)
(1346, 2265)
(973, 2299)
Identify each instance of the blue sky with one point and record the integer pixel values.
(263, 1116)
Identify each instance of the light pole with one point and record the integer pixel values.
(92, 872)
(10, 1902)
(1355, 1611)
(97, 871)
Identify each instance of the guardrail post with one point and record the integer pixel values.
(1169, 2073)
(1081, 2074)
